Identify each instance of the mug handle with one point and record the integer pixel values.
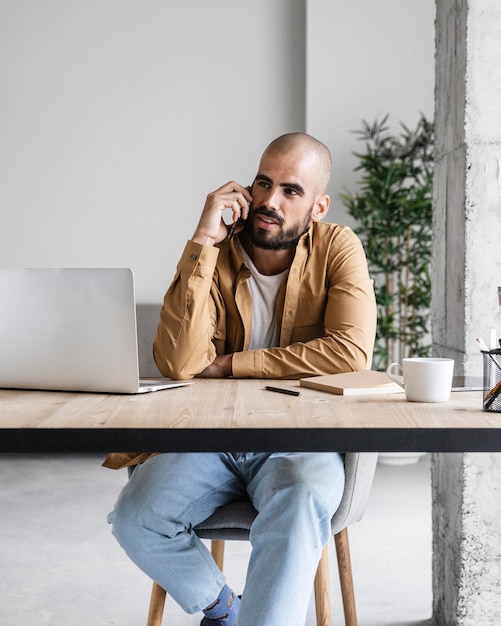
(391, 375)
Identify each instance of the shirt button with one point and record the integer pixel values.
(193, 257)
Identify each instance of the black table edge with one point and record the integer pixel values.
(80, 440)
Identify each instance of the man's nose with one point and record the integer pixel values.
(271, 200)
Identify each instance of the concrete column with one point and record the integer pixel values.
(466, 539)
(466, 272)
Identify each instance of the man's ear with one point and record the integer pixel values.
(320, 208)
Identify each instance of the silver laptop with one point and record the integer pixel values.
(71, 330)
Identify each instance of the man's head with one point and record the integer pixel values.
(289, 191)
(309, 148)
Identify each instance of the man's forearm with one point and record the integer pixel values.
(325, 355)
(183, 343)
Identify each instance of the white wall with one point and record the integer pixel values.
(366, 58)
(117, 117)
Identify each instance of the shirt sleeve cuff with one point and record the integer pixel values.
(199, 259)
(247, 364)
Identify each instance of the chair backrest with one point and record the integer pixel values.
(359, 469)
(234, 520)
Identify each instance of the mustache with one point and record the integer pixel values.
(268, 213)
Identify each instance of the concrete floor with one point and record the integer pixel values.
(61, 566)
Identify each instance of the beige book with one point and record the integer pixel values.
(364, 382)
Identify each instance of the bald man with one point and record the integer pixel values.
(279, 294)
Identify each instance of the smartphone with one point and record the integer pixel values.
(231, 232)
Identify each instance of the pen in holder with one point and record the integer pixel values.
(492, 380)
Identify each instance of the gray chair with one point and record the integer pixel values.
(234, 520)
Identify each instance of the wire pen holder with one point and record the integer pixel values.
(492, 380)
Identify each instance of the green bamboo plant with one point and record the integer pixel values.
(393, 209)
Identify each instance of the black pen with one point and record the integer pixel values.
(289, 392)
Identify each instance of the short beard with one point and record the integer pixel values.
(284, 240)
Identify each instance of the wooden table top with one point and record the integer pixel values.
(239, 414)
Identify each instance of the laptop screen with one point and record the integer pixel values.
(68, 329)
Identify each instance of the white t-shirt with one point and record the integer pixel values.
(264, 291)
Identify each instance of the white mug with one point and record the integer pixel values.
(425, 379)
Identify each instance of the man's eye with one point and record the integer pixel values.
(264, 184)
(290, 192)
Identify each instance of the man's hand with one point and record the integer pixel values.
(219, 368)
(211, 228)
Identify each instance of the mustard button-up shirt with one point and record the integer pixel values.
(326, 310)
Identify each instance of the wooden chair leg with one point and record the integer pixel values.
(157, 604)
(217, 551)
(346, 577)
(322, 591)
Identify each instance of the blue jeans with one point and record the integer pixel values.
(295, 494)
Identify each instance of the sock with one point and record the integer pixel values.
(224, 611)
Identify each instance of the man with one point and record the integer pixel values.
(287, 296)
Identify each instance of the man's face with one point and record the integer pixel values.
(283, 200)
